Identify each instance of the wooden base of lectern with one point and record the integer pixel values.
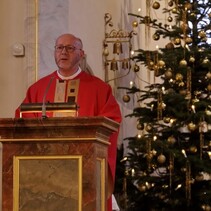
(55, 163)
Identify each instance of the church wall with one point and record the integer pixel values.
(12, 77)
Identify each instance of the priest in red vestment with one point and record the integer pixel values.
(70, 83)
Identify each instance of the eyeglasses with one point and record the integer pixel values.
(68, 48)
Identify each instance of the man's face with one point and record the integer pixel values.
(68, 53)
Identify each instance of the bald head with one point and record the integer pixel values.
(68, 54)
(75, 41)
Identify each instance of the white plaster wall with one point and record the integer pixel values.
(12, 79)
(88, 24)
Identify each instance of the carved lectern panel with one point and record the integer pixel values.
(47, 183)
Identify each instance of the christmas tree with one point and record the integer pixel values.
(169, 162)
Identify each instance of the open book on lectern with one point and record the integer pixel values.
(59, 109)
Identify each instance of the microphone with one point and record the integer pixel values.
(44, 98)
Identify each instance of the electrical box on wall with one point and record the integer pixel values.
(18, 50)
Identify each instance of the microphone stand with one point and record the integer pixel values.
(44, 98)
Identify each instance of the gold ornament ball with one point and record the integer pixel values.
(188, 6)
(209, 87)
(171, 140)
(140, 126)
(174, 10)
(166, 119)
(206, 62)
(177, 41)
(148, 128)
(208, 112)
(188, 40)
(191, 126)
(170, 3)
(156, 5)
(208, 75)
(156, 36)
(183, 63)
(206, 207)
(154, 152)
(179, 77)
(170, 19)
(192, 59)
(135, 24)
(161, 159)
(142, 188)
(200, 50)
(202, 34)
(146, 19)
(136, 68)
(193, 149)
(181, 84)
(126, 98)
(192, 16)
(199, 177)
(151, 65)
(170, 46)
(168, 73)
(184, 26)
(161, 64)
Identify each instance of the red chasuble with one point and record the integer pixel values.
(94, 99)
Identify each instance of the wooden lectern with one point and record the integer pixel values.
(55, 163)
